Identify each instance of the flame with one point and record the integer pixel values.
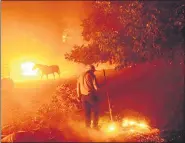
(132, 130)
(112, 127)
(125, 123)
(143, 125)
(27, 69)
(135, 125)
(132, 123)
(64, 37)
(129, 128)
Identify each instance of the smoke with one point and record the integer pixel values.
(35, 30)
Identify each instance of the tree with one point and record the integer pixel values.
(119, 32)
(172, 21)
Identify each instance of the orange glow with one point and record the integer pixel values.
(135, 125)
(64, 37)
(112, 127)
(143, 125)
(21, 68)
(131, 126)
(32, 33)
(132, 123)
(125, 123)
(27, 69)
(132, 130)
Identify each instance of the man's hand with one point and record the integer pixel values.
(79, 99)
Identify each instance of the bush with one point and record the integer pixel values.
(49, 116)
(63, 104)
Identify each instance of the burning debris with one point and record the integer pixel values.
(131, 130)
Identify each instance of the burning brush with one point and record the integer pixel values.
(131, 130)
(127, 125)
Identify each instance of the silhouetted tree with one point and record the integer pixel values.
(121, 32)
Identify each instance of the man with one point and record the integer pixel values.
(87, 87)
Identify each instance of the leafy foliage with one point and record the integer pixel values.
(126, 32)
(172, 21)
(63, 104)
(116, 31)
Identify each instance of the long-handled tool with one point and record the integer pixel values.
(108, 98)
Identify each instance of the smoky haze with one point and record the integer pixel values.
(41, 31)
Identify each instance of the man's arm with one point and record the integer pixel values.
(95, 83)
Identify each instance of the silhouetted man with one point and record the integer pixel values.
(87, 87)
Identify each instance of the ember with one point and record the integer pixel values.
(112, 127)
(130, 126)
(130, 129)
(137, 126)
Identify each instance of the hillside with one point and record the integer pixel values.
(155, 91)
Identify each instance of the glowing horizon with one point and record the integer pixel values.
(27, 69)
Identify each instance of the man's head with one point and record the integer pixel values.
(91, 68)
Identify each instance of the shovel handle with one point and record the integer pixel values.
(108, 98)
(104, 75)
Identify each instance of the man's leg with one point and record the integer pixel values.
(96, 115)
(87, 111)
